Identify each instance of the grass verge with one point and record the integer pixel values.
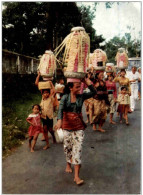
(14, 125)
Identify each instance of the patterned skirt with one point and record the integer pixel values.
(97, 111)
(112, 103)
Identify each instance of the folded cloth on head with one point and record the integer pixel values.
(73, 80)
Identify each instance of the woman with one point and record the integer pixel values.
(70, 119)
(100, 103)
(112, 96)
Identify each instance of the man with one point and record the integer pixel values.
(133, 77)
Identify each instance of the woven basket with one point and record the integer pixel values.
(79, 75)
(44, 85)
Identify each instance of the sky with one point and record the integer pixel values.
(114, 21)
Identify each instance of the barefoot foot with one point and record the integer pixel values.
(68, 169)
(46, 147)
(32, 150)
(94, 127)
(78, 181)
(101, 130)
(87, 121)
(112, 122)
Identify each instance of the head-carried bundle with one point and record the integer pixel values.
(76, 54)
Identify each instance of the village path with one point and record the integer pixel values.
(111, 163)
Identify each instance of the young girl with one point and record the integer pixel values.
(112, 95)
(124, 102)
(35, 126)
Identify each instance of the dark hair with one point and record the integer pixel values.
(48, 90)
(123, 88)
(67, 87)
(111, 75)
(36, 105)
(123, 70)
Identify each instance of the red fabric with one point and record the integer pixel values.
(37, 128)
(112, 86)
(73, 121)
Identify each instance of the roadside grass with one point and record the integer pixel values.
(14, 125)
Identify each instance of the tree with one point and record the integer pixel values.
(30, 28)
(114, 44)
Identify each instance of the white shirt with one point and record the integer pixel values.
(132, 76)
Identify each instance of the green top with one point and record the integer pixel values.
(67, 106)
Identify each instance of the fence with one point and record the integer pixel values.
(15, 63)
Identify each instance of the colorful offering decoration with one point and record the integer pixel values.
(121, 58)
(47, 64)
(76, 54)
(98, 59)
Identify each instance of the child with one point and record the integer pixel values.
(47, 109)
(59, 87)
(124, 102)
(35, 126)
(112, 95)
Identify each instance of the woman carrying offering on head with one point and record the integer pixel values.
(71, 121)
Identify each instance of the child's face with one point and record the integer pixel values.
(45, 94)
(123, 91)
(36, 110)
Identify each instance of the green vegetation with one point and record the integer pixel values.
(14, 126)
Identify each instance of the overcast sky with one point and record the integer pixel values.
(114, 21)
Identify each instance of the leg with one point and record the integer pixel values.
(53, 135)
(120, 117)
(76, 176)
(34, 142)
(94, 127)
(68, 168)
(46, 137)
(30, 140)
(67, 150)
(87, 121)
(111, 119)
(78, 137)
(100, 126)
(126, 115)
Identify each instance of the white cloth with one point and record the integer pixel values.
(58, 86)
(132, 76)
(134, 89)
(134, 95)
(73, 141)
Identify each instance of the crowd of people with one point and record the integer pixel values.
(101, 93)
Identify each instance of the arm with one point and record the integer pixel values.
(60, 113)
(29, 121)
(37, 78)
(116, 79)
(92, 90)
